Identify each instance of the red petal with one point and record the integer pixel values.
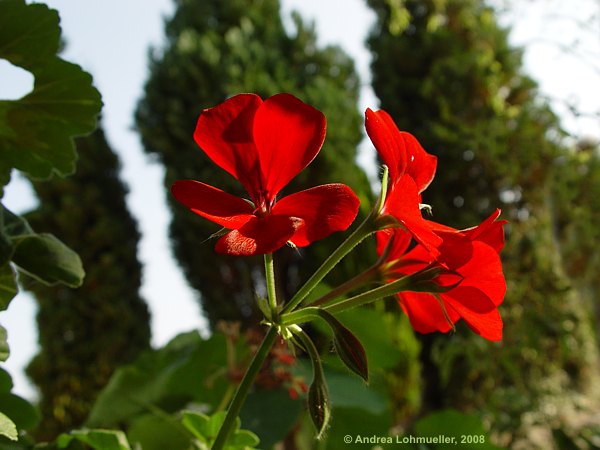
(220, 207)
(399, 150)
(288, 135)
(425, 312)
(489, 231)
(258, 236)
(421, 165)
(384, 134)
(484, 272)
(456, 249)
(477, 310)
(323, 210)
(402, 202)
(402, 239)
(225, 134)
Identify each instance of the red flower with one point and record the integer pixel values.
(411, 169)
(475, 272)
(264, 144)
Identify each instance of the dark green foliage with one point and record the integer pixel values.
(216, 49)
(445, 71)
(37, 130)
(85, 333)
(36, 134)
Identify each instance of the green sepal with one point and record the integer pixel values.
(319, 405)
(263, 305)
(424, 280)
(347, 346)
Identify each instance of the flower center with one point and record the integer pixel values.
(263, 206)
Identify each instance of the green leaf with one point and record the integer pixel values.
(6, 383)
(6, 246)
(8, 428)
(20, 411)
(13, 225)
(196, 423)
(347, 391)
(214, 423)
(97, 439)
(4, 349)
(271, 414)
(47, 259)
(4, 177)
(155, 432)
(205, 429)
(8, 285)
(19, 38)
(357, 421)
(466, 428)
(41, 256)
(347, 346)
(187, 368)
(36, 131)
(244, 439)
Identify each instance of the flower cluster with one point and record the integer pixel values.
(471, 284)
(437, 273)
(264, 144)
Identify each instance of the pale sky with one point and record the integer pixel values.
(110, 39)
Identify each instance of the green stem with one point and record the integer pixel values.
(270, 279)
(365, 229)
(318, 395)
(244, 387)
(310, 313)
(370, 225)
(310, 348)
(359, 280)
(370, 296)
(302, 315)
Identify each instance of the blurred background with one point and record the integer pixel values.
(505, 93)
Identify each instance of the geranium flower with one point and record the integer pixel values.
(264, 144)
(474, 277)
(411, 170)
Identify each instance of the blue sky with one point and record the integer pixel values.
(110, 39)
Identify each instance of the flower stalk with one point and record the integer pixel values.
(242, 391)
(365, 229)
(369, 226)
(270, 280)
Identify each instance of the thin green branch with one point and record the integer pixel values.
(369, 226)
(270, 279)
(242, 391)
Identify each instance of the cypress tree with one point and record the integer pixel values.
(445, 72)
(215, 49)
(85, 333)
